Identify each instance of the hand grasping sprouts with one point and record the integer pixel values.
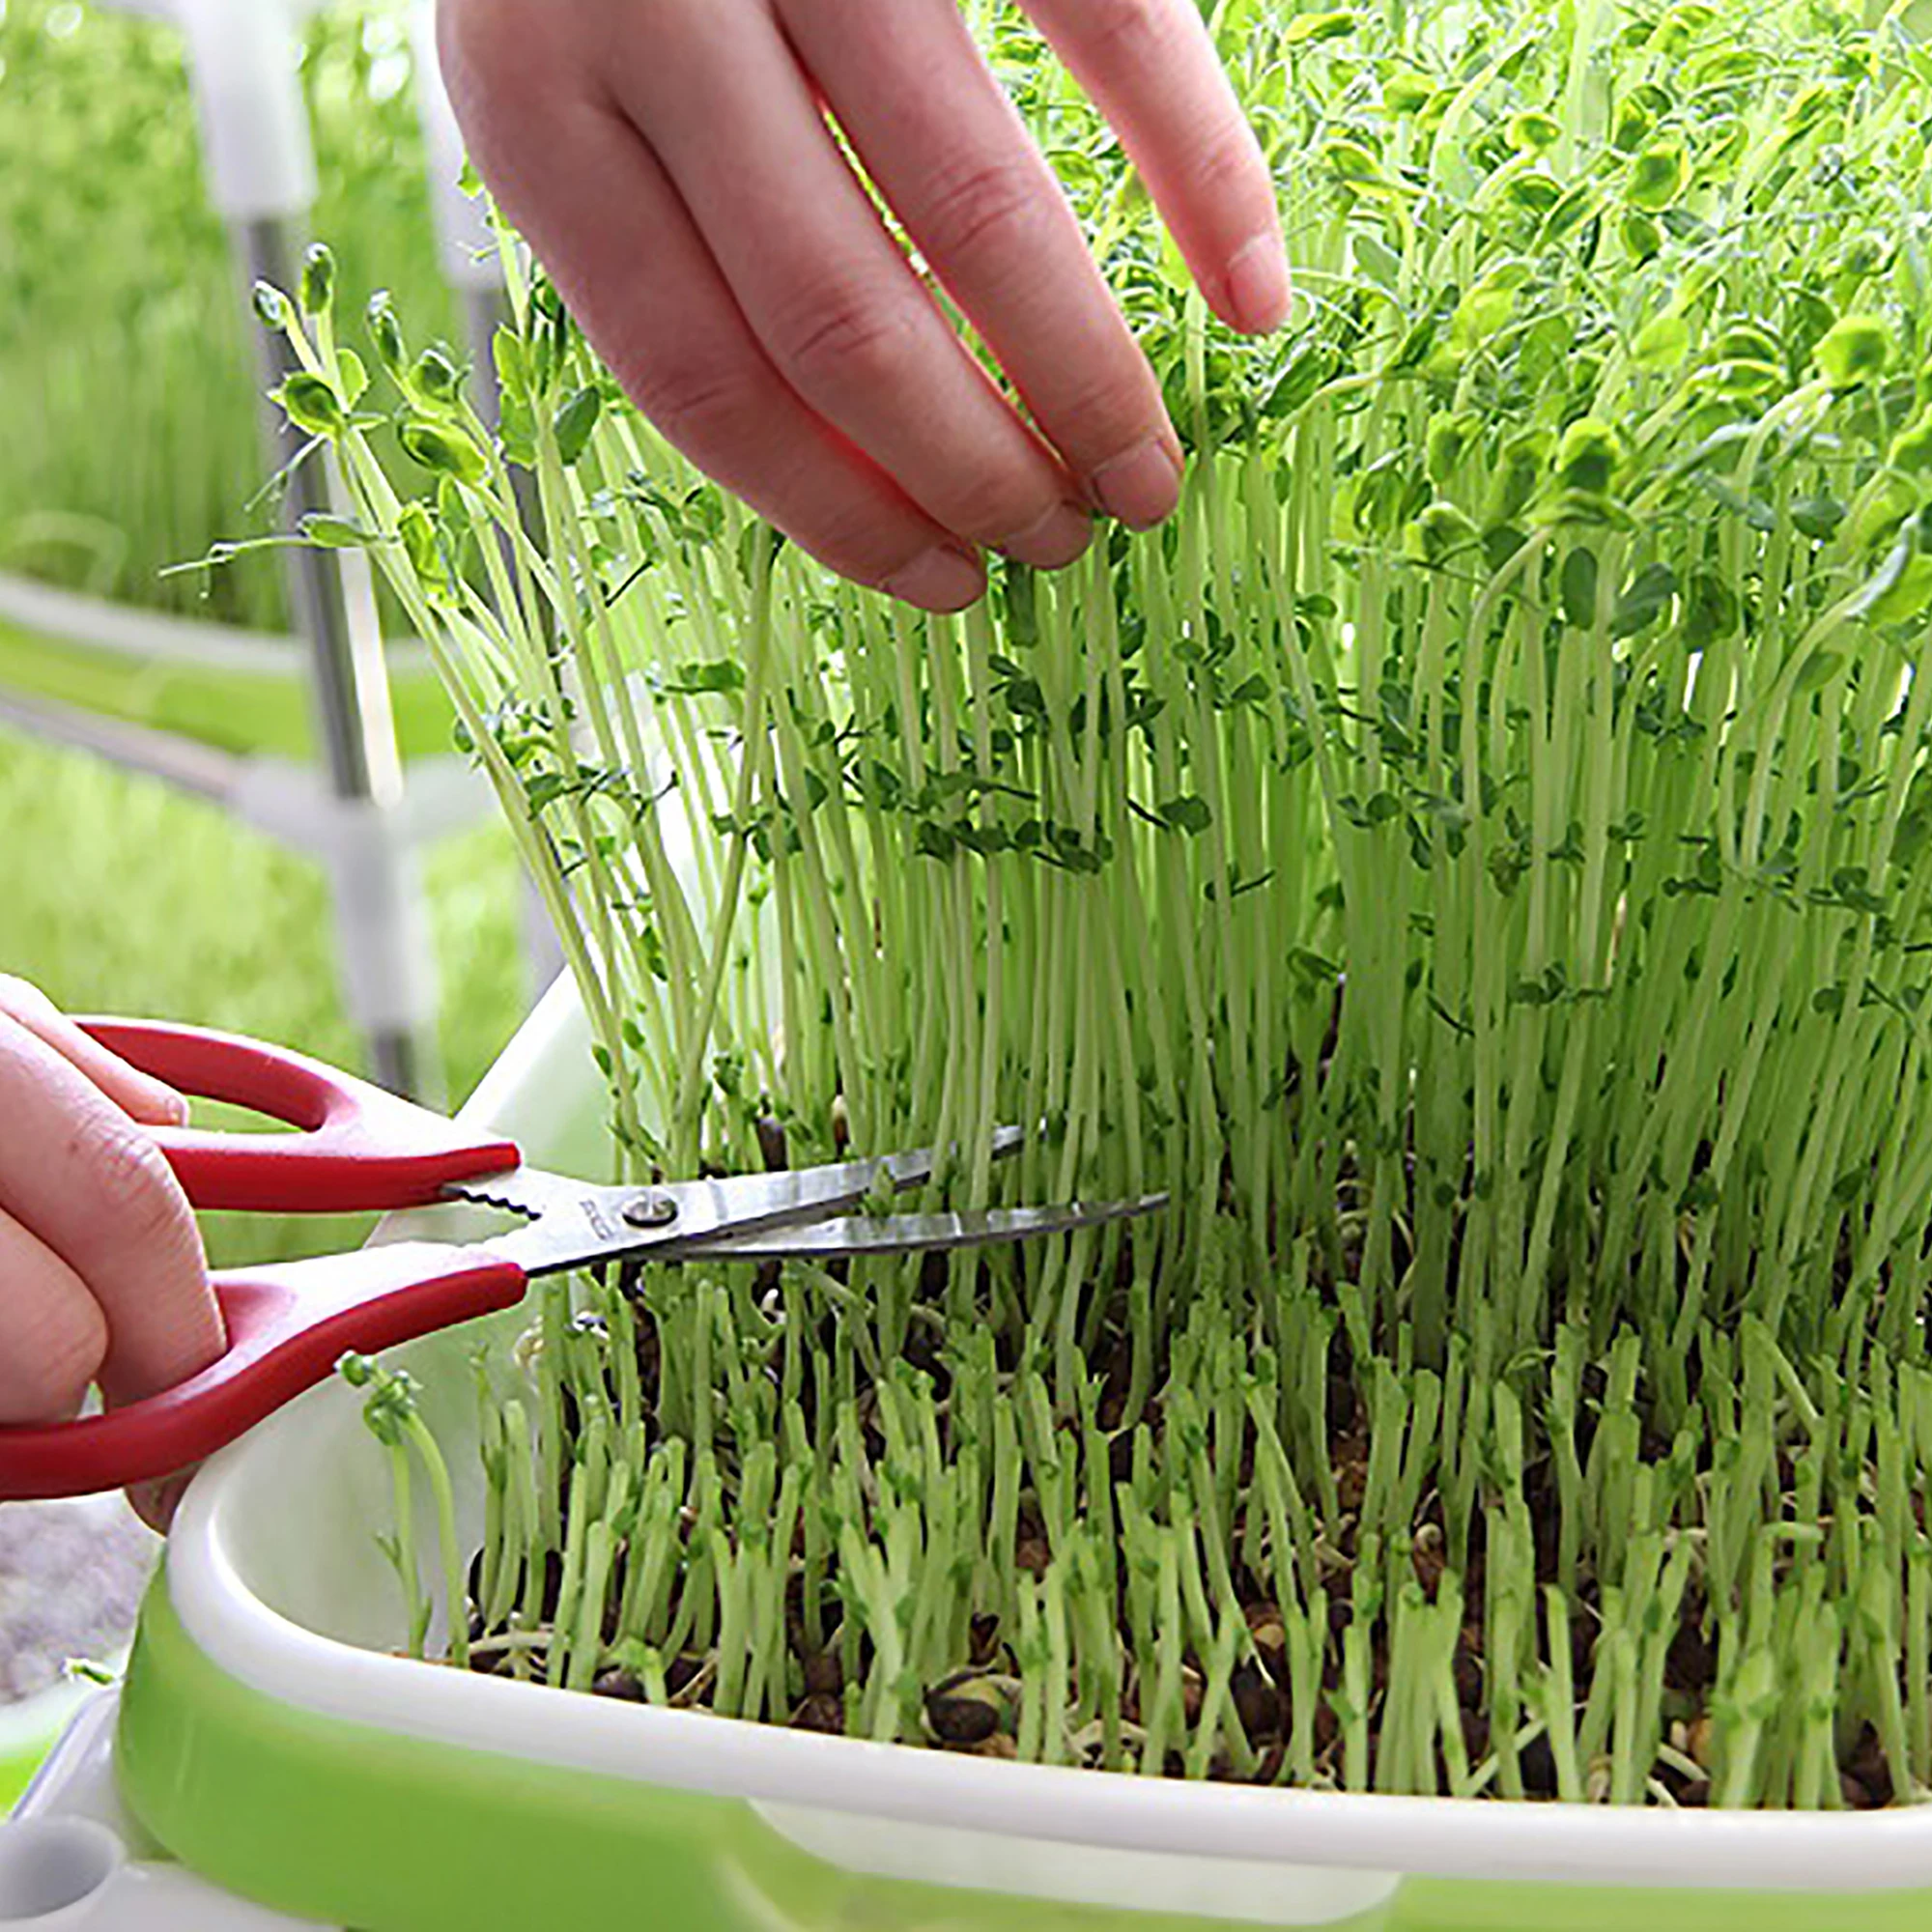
(672, 165)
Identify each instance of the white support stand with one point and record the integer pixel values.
(72, 1860)
(244, 59)
(244, 55)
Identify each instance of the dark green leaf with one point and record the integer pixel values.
(574, 422)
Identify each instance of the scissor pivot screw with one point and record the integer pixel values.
(650, 1210)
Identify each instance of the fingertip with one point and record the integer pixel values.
(1058, 538)
(942, 580)
(154, 1104)
(1140, 487)
(1259, 290)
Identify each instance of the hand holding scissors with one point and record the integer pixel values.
(359, 1149)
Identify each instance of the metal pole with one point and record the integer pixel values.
(332, 608)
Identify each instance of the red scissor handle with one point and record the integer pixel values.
(359, 1147)
(287, 1326)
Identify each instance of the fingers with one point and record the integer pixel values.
(139, 1095)
(952, 157)
(55, 1336)
(613, 233)
(1152, 69)
(672, 167)
(829, 294)
(95, 1192)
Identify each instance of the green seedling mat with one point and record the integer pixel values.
(335, 1821)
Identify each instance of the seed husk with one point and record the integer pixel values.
(965, 1710)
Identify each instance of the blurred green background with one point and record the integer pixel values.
(130, 442)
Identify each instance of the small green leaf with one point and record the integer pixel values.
(1580, 588)
(1818, 517)
(1883, 507)
(1358, 169)
(1578, 204)
(1587, 458)
(1442, 531)
(1531, 132)
(574, 422)
(506, 351)
(1907, 596)
(933, 840)
(1817, 671)
(318, 280)
(385, 333)
(1911, 451)
(1641, 236)
(311, 403)
(1662, 343)
(1304, 374)
(1306, 27)
(1448, 441)
(328, 532)
(1657, 176)
(1875, 597)
(1711, 611)
(435, 381)
(352, 377)
(1187, 813)
(1377, 261)
(444, 449)
(1644, 600)
(1856, 349)
(1634, 118)
(720, 675)
(1407, 91)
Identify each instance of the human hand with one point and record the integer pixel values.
(671, 163)
(102, 1273)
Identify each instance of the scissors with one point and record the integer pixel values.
(362, 1149)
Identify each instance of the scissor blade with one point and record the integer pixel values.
(750, 1204)
(852, 1235)
(578, 1225)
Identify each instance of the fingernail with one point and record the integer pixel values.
(1055, 541)
(1258, 285)
(163, 1103)
(940, 579)
(172, 1107)
(1140, 487)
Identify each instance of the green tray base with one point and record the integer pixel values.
(329, 1820)
(16, 1773)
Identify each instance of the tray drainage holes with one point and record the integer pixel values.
(51, 1870)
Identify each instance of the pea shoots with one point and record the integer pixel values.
(1476, 858)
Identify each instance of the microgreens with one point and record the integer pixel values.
(1476, 858)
